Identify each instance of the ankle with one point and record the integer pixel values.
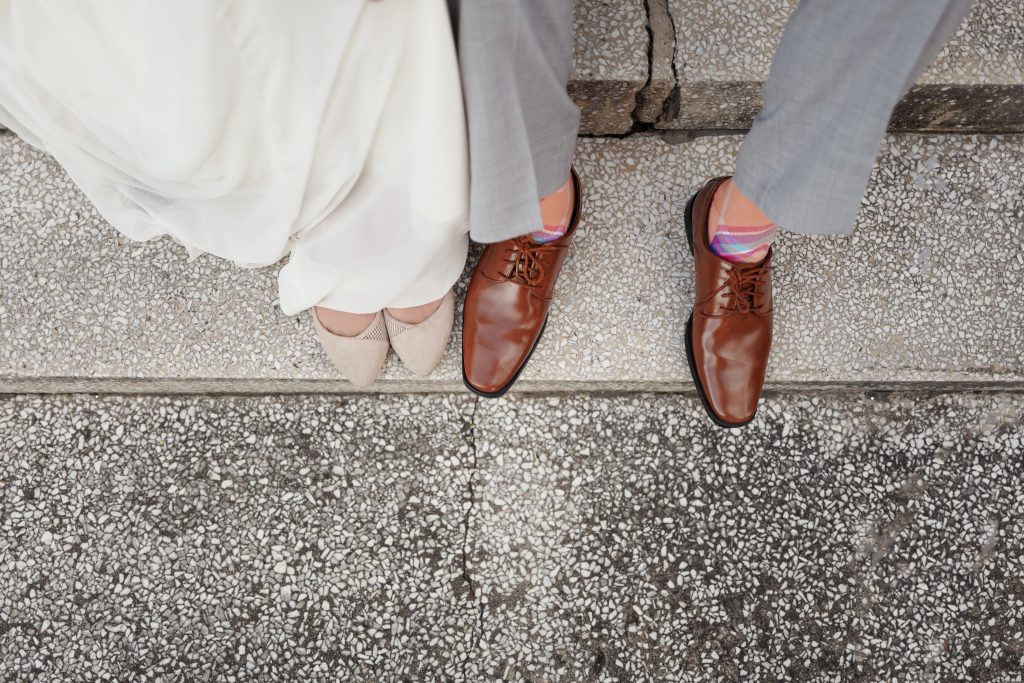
(342, 323)
(414, 315)
(556, 212)
(738, 230)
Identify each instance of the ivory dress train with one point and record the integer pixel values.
(330, 130)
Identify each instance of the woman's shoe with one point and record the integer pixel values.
(421, 346)
(359, 358)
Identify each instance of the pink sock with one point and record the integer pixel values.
(549, 233)
(556, 212)
(743, 236)
(742, 243)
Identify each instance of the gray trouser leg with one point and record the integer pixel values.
(516, 58)
(838, 74)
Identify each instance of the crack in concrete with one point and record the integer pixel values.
(643, 94)
(654, 98)
(670, 107)
(469, 434)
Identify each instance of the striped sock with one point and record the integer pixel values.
(556, 212)
(742, 243)
(549, 233)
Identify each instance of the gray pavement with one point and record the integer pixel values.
(853, 536)
(723, 52)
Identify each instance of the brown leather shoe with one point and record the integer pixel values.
(729, 334)
(507, 306)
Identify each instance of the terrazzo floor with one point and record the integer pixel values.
(724, 51)
(922, 291)
(843, 536)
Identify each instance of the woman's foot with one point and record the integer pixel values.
(353, 324)
(419, 335)
(415, 314)
(343, 324)
(356, 343)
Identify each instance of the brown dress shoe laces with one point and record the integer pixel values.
(742, 285)
(527, 259)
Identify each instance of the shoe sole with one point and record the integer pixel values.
(504, 390)
(688, 341)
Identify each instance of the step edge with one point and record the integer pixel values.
(214, 386)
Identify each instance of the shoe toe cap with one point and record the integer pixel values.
(420, 349)
(358, 360)
(731, 387)
(361, 367)
(483, 375)
(421, 346)
(492, 370)
(732, 408)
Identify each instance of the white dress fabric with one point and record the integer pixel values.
(330, 130)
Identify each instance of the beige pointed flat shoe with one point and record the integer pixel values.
(421, 346)
(360, 358)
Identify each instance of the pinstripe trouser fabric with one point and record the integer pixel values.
(839, 71)
(515, 57)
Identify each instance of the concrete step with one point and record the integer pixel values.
(702, 64)
(611, 63)
(851, 536)
(925, 291)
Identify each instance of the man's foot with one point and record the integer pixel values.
(507, 305)
(738, 230)
(556, 212)
(729, 334)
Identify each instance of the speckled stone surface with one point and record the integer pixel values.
(610, 63)
(724, 51)
(924, 291)
(233, 539)
(840, 537)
